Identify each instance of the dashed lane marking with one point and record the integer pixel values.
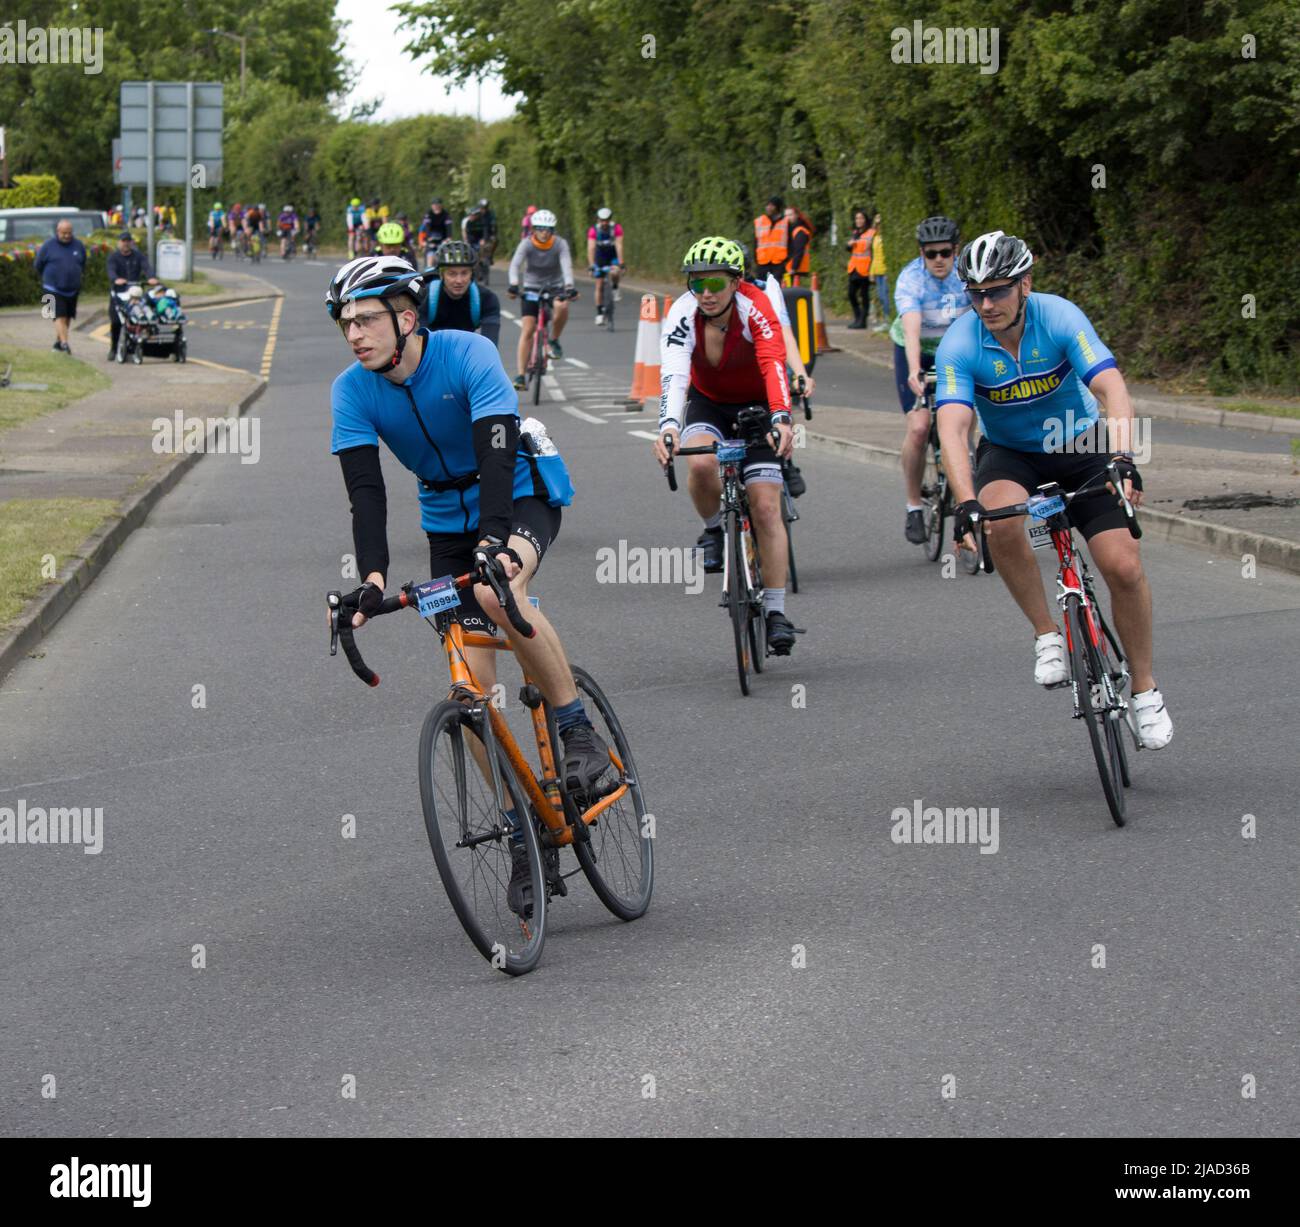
(272, 333)
(584, 417)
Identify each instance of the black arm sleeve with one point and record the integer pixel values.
(489, 320)
(496, 472)
(365, 482)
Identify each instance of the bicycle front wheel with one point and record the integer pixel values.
(475, 814)
(736, 594)
(618, 854)
(754, 587)
(1090, 698)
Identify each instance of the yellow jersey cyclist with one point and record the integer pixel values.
(443, 405)
(1033, 368)
(722, 351)
(928, 296)
(455, 299)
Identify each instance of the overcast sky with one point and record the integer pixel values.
(374, 44)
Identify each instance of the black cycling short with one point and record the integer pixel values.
(712, 420)
(1033, 469)
(534, 519)
(529, 307)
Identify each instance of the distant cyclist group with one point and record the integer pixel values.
(248, 230)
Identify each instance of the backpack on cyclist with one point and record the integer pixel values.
(475, 302)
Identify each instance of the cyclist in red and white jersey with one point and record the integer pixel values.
(722, 351)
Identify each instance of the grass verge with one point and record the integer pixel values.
(1273, 410)
(32, 532)
(68, 378)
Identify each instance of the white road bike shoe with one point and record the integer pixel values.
(1050, 667)
(1150, 721)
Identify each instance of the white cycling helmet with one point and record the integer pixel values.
(604, 214)
(993, 256)
(543, 219)
(372, 277)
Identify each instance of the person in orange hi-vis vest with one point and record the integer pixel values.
(801, 231)
(859, 268)
(772, 239)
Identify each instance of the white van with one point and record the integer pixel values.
(38, 224)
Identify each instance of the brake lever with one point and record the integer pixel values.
(334, 601)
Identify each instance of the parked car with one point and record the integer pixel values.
(38, 224)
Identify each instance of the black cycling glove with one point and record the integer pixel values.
(1128, 471)
(961, 520)
(365, 600)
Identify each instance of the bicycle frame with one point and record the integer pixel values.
(545, 795)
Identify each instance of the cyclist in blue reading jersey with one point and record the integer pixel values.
(928, 296)
(1033, 368)
(443, 404)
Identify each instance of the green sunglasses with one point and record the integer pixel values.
(708, 285)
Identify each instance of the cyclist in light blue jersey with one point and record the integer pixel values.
(443, 405)
(928, 296)
(1033, 368)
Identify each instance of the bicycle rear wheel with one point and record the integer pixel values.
(934, 494)
(618, 853)
(789, 515)
(466, 786)
(736, 594)
(1086, 672)
(754, 586)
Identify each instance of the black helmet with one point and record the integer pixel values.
(937, 229)
(455, 253)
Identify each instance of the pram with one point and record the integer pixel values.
(152, 324)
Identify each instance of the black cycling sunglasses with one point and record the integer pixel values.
(939, 253)
(997, 294)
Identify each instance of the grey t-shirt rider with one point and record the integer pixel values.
(533, 268)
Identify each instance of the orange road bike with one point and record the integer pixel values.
(481, 795)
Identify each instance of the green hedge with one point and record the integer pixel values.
(31, 192)
(21, 287)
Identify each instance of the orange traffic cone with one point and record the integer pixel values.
(824, 345)
(645, 373)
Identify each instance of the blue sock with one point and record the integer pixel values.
(569, 715)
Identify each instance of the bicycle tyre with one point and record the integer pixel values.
(934, 492)
(754, 588)
(539, 365)
(610, 838)
(509, 943)
(737, 597)
(1117, 676)
(792, 581)
(1085, 670)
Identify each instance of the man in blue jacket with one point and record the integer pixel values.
(60, 264)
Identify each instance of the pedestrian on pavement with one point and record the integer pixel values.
(60, 264)
(880, 275)
(771, 240)
(859, 268)
(127, 265)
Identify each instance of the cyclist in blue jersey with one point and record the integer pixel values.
(443, 405)
(928, 296)
(216, 229)
(1033, 368)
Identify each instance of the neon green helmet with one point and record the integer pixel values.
(391, 232)
(715, 253)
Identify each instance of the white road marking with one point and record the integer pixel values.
(578, 362)
(585, 417)
(643, 434)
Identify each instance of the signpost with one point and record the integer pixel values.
(171, 137)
